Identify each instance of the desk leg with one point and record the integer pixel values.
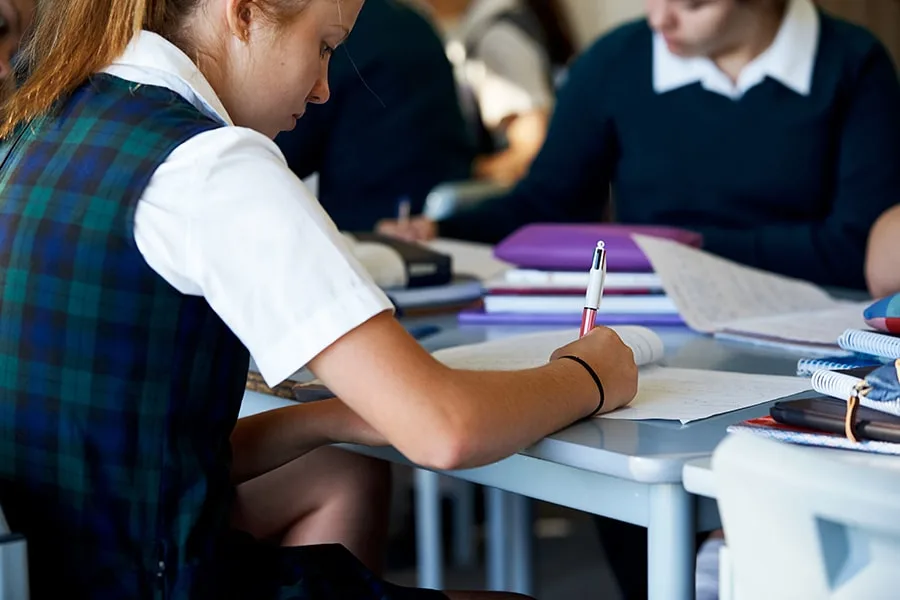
(521, 547)
(670, 543)
(497, 539)
(464, 524)
(429, 546)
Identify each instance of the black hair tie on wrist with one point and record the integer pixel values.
(596, 379)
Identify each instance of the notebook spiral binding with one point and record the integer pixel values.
(840, 386)
(836, 385)
(869, 342)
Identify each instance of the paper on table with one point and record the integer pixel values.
(533, 350)
(690, 395)
(711, 291)
(470, 258)
(822, 327)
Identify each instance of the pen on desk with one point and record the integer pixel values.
(594, 295)
(403, 210)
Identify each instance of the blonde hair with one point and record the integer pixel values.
(73, 39)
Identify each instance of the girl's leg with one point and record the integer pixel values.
(327, 496)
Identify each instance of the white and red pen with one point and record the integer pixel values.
(594, 295)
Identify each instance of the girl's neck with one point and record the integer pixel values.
(449, 10)
(757, 33)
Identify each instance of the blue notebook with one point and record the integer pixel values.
(841, 362)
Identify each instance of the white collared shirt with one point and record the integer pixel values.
(224, 218)
(509, 71)
(790, 60)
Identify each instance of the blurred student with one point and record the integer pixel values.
(768, 126)
(883, 255)
(508, 55)
(393, 129)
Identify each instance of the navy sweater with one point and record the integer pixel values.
(393, 128)
(776, 180)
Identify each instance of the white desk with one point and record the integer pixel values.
(626, 470)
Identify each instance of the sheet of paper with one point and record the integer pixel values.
(534, 349)
(822, 327)
(690, 395)
(710, 291)
(470, 258)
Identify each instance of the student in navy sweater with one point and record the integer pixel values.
(768, 126)
(393, 128)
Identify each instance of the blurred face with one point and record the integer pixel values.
(697, 27)
(272, 71)
(15, 18)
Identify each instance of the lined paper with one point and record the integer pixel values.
(691, 394)
(711, 292)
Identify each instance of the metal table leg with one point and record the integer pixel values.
(670, 543)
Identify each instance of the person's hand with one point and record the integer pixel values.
(416, 229)
(612, 361)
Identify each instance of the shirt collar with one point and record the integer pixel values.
(151, 59)
(790, 59)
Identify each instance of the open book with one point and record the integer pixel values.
(683, 395)
(533, 350)
(716, 295)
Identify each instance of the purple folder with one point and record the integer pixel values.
(570, 247)
(479, 317)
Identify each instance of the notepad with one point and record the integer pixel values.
(716, 295)
(533, 350)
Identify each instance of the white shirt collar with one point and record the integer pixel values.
(790, 59)
(151, 59)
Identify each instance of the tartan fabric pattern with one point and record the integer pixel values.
(117, 393)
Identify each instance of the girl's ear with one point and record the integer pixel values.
(239, 15)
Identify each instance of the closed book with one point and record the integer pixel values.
(421, 266)
(537, 279)
(479, 317)
(569, 247)
(770, 428)
(574, 304)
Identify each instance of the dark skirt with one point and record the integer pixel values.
(324, 572)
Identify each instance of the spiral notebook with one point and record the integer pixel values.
(807, 366)
(870, 343)
(842, 386)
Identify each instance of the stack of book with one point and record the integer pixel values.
(869, 370)
(549, 277)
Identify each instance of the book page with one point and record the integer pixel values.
(822, 327)
(533, 350)
(689, 394)
(710, 291)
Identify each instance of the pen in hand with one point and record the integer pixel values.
(596, 281)
(404, 208)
